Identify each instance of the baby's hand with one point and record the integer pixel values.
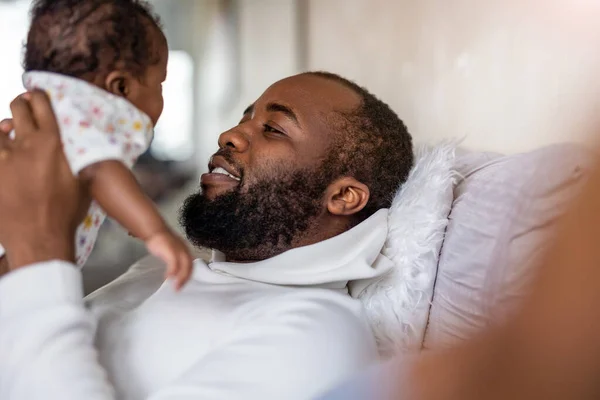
(173, 251)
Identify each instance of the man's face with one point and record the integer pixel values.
(265, 185)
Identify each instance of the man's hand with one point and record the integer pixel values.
(41, 202)
(6, 126)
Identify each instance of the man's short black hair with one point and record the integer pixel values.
(82, 38)
(372, 145)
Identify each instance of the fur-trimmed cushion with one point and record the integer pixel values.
(398, 305)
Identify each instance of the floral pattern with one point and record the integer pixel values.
(95, 126)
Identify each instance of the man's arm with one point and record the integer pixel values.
(46, 335)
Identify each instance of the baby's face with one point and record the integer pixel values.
(149, 97)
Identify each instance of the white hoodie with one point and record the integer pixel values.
(284, 328)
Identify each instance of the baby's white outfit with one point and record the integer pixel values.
(95, 126)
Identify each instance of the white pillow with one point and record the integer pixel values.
(398, 304)
(504, 210)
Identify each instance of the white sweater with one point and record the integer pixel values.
(285, 328)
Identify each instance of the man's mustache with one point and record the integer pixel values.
(228, 156)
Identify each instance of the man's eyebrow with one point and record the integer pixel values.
(287, 111)
(249, 110)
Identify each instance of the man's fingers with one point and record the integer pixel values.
(42, 112)
(23, 118)
(6, 126)
(4, 141)
(5, 144)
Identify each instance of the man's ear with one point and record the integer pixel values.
(119, 83)
(346, 196)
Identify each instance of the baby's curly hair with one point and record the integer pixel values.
(84, 38)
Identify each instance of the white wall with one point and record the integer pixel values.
(509, 75)
(14, 25)
(232, 81)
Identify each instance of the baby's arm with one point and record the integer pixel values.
(116, 190)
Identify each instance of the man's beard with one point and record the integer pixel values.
(259, 222)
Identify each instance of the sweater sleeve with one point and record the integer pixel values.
(46, 337)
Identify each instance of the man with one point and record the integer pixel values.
(294, 205)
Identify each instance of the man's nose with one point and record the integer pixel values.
(235, 140)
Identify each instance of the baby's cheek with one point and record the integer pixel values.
(155, 108)
(160, 107)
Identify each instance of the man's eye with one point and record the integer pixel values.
(269, 128)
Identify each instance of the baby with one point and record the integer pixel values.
(102, 63)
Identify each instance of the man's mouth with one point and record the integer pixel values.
(222, 174)
(219, 165)
(223, 171)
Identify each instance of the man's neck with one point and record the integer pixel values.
(322, 229)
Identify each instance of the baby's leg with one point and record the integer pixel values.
(115, 189)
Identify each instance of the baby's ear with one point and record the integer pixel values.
(118, 83)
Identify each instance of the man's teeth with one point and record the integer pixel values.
(222, 171)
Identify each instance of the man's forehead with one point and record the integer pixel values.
(308, 93)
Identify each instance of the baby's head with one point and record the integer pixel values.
(117, 45)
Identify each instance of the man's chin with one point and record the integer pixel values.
(211, 192)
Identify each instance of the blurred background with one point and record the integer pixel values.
(504, 75)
